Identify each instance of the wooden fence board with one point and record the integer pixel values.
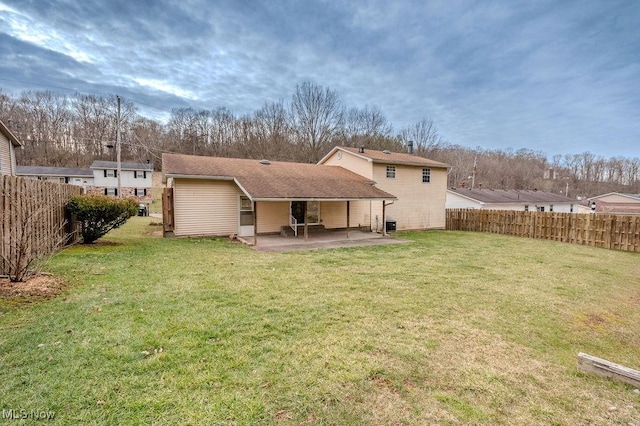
(615, 232)
(34, 212)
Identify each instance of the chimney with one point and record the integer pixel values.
(361, 149)
(410, 147)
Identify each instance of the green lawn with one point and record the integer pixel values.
(453, 328)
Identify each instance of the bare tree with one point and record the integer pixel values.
(425, 137)
(317, 119)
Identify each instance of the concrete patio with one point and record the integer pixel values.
(324, 240)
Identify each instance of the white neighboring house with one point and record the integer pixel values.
(70, 175)
(509, 199)
(136, 179)
(8, 143)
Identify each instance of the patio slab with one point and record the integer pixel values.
(280, 244)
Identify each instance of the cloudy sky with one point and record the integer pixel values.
(559, 76)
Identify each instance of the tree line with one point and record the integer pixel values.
(74, 130)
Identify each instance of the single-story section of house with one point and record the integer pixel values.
(228, 196)
(509, 199)
(615, 203)
(74, 176)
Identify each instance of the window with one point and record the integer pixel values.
(550, 207)
(391, 172)
(141, 192)
(526, 208)
(426, 175)
(571, 208)
(110, 173)
(111, 191)
(139, 175)
(540, 208)
(246, 211)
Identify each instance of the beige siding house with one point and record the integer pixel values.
(227, 196)
(419, 184)
(616, 203)
(8, 143)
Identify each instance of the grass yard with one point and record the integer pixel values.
(454, 328)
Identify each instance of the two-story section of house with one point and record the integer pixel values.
(136, 179)
(420, 185)
(8, 143)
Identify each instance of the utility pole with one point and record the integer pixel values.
(473, 175)
(119, 164)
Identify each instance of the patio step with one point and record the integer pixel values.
(286, 231)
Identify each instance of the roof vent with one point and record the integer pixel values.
(386, 151)
(265, 162)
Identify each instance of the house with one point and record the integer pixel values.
(509, 199)
(419, 185)
(225, 196)
(615, 203)
(136, 179)
(8, 143)
(70, 175)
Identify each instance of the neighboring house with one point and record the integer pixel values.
(224, 196)
(73, 176)
(8, 143)
(419, 184)
(616, 203)
(135, 179)
(509, 199)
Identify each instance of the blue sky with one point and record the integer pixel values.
(561, 77)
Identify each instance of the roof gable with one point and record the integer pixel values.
(386, 157)
(9, 135)
(277, 179)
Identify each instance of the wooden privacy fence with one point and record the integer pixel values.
(617, 232)
(33, 218)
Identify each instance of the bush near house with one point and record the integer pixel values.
(99, 214)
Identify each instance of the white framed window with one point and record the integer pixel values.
(139, 174)
(110, 173)
(111, 191)
(526, 207)
(426, 175)
(391, 172)
(540, 208)
(550, 207)
(141, 192)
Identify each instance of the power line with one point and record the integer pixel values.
(70, 89)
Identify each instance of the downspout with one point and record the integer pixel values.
(384, 218)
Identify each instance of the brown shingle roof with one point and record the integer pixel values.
(388, 157)
(511, 196)
(277, 180)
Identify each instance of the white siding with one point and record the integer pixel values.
(455, 201)
(127, 179)
(205, 207)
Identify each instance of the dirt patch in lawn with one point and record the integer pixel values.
(39, 286)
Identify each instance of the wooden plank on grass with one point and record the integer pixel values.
(604, 368)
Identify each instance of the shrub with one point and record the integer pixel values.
(99, 214)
